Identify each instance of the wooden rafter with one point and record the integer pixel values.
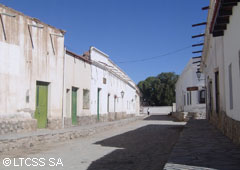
(199, 24)
(195, 45)
(199, 35)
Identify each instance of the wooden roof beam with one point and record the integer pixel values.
(230, 1)
(197, 62)
(200, 35)
(218, 33)
(194, 52)
(195, 45)
(220, 27)
(224, 12)
(199, 24)
(229, 4)
(205, 8)
(197, 57)
(222, 20)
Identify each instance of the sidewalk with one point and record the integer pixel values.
(43, 136)
(201, 146)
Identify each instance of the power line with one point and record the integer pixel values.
(152, 58)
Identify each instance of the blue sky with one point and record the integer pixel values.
(126, 30)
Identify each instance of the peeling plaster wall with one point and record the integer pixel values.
(29, 54)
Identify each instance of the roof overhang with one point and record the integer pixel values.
(221, 14)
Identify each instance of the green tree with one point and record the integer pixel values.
(159, 90)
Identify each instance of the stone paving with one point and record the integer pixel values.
(202, 146)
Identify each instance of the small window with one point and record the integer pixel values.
(86, 99)
(201, 96)
(104, 81)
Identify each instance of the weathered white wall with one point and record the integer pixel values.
(21, 65)
(188, 78)
(78, 75)
(219, 53)
(103, 67)
(213, 59)
(231, 55)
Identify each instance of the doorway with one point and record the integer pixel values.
(98, 103)
(41, 104)
(74, 105)
(217, 93)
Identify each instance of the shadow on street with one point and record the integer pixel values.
(146, 148)
(202, 146)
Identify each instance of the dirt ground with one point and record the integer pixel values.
(142, 145)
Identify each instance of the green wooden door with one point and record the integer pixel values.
(98, 104)
(41, 105)
(74, 106)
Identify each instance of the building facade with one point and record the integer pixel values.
(77, 84)
(31, 71)
(190, 90)
(43, 85)
(113, 94)
(221, 66)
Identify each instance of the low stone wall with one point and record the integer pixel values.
(29, 140)
(185, 116)
(228, 126)
(8, 126)
(54, 123)
(180, 116)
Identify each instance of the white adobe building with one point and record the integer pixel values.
(190, 91)
(113, 93)
(43, 85)
(77, 84)
(221, 66)
(31, 72)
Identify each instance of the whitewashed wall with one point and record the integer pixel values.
(22, 64)
(213, 58)
(78, 75)
(231, 55)
(188, 78)
(103, 67)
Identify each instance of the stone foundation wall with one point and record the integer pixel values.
(54, 124)
(41, 137)
(180, 116)
(88, 120)
(228, 126)
(8, 126)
